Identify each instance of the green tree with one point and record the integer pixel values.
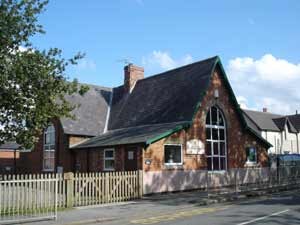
(33, 83)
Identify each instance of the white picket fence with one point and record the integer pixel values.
(24, 198)
(38, 196)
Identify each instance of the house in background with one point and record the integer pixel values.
(174, 126)
(9, 156)
(283, 132)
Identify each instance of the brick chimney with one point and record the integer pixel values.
(132, 74)
(265, 110)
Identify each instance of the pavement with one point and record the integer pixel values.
(189, 208)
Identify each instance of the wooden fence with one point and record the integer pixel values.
(23, 192)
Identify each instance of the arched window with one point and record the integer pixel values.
(216, 151)
(49, 149)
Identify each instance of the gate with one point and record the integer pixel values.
(30, 199)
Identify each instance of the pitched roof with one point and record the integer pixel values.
(168, 97)
(145, 134)
(161, 102)
(263, 120)
(90, 116)
(295, 120)
(9, 146)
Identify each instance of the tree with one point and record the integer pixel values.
(33, 83)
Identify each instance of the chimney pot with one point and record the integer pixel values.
(265, 109)
(132, 74)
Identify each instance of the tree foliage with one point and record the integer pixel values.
(33, 83)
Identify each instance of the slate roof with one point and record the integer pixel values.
(160, 104)
(168, 97)
(295, 120)
(91, 114)
(9, 146)
(145, 134)
(263, 120)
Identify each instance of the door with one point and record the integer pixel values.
(130, 158)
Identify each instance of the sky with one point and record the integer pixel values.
(257, 41)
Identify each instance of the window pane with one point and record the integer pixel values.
(109, 164)
(52, 138)
(208, 133)
(251, 154)
(209, 163)
(222, 148)
(216, 148)
(222, 134)
(221, 122)
(223, 165)
(109, 154)
(214, 116)
(216, 163)
(215, 134)
(172, 154)
(208, 118)
(208, 148)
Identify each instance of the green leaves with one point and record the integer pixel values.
(33, 83)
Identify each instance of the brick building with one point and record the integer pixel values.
(173, 126)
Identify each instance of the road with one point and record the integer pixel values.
(184, 209)
(278, 209)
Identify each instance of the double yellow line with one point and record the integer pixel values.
(176, 215)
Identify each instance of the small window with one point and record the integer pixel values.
(251, 155)
(130, 155)
(49, 149)
(109, 159)
(173, 155)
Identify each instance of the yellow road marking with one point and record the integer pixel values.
(176, 215)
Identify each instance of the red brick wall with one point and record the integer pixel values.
(237, 138)
(91, 160)
(32, 162)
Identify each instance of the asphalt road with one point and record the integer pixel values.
(277, 209)
(184, 209)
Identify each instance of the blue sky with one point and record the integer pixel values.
(258, 42)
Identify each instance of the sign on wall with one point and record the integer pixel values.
(195, 146)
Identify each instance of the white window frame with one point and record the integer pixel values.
(109, 158)
(181, 151)
(210, 139)
(47, 146)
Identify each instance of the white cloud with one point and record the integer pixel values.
(163, 60)
(266, 82)
(86, 64)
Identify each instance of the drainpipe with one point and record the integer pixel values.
(297, 138)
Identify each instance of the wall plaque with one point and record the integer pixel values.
(195, 147)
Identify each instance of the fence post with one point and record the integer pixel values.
(140, 180)
(69, 177)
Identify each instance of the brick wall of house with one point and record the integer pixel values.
(32, 162)
(237, 138)
(91, 160)
(8, 158)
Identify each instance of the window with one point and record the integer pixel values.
(49, 149)
(173, 154)
(109, 159)
(251, 155)
(216, 150)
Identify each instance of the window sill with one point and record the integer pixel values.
(216, 171)
(173, 166)
(48, 170)
(251, 164)
(109, 170)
